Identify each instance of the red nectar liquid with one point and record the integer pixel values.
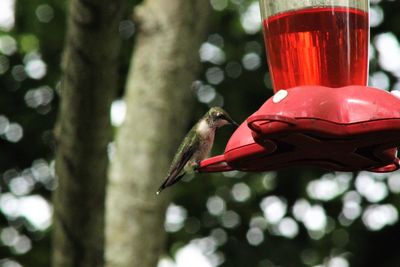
(318, 46)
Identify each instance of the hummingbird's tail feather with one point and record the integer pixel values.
(169, 181)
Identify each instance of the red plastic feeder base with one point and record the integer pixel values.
(342, 129)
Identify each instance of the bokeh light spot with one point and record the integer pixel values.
(376, 16)
(219, 5)
(126, 29)
(379, 79)
(251, 61)
(22, 245)
(288, 227)
(4, 123)
(39, 97)
(309, 256)
(118, 112)
(174, 218)
(29, 43)
(241, 192)
(36, 69)
(258, 222)
(44, 13)
(21, 185)
(215, 205)
(8, 45)
(393, 182)
(14, 133)
(338, 262)
(251, 18)
(214, 75)
(255, 236)
(328, 186)
(18, 73)
(351, 210)
(9, 205)
(254, 47)
(300, 208)
(230, 219)
(4, 64)
(216, 39)
(206, 93)
(207, 245)
(7, 18)
(9, 236)
(375, 217)
(274, 208)
(389, 54)
(220, 236)
(36, 210)
(44, 173)
(9, 263)
(192, 253)
(233, 69)
(372, 190)
(315, 219)
(211, 53)
(269, 181)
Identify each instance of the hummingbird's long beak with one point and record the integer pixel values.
(231, 121)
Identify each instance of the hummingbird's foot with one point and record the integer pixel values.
(196, 166)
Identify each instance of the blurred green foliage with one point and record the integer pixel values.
(293, 217)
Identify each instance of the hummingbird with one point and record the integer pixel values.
(196, 145)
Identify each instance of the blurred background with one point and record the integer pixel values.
(292, 217)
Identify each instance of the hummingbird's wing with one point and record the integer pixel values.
(185, 152)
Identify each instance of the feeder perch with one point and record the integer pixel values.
(333, 128)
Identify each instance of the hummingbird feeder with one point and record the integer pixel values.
(322, 112)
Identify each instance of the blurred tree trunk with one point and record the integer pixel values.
(164, 64)
(83, 131)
